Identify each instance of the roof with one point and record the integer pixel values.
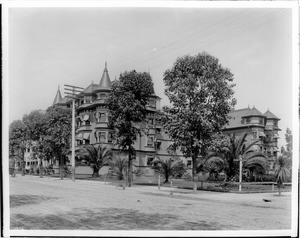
(65, 100)
(253, 112)
(270, 115)
(235, 117)
(90, 88)
(58, 97)
(105, 82)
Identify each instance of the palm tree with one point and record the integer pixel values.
(118, 167)
(231, 152)
(281, 171)
(96, 157)
(169, 168)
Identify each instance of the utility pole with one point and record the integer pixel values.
(71, 92)
(240, 159)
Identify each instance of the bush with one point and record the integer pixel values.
(187, 177)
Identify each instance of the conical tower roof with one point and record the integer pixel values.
(105, 80)
(58, 97)
(270, 115)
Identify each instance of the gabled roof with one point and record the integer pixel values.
(92, 87)
(105, 82)
(270, 115)
(58, 97)
(253, 112)
(65, 100)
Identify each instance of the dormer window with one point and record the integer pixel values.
(247, 120)
(261, 121)
(101, 95)
(151, 103)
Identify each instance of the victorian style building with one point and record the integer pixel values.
(92, 125)
(259, 127)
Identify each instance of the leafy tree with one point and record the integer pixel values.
(35, 124)
(281, 171)
(288, 150)
(200, 91)
(57, 139)
(96, 157)
(169, 168)
(127, 104)
(214, 165)
(17, 141)
(118, 167)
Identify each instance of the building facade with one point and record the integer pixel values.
(92, 126)
(259, 127)
(91, 123)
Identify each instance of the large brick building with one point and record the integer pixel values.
(259, 127)
(92, 125)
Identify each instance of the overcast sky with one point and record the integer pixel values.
(56, 46)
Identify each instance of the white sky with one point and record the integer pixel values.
(56, 46)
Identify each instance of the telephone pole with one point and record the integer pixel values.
(71, 92)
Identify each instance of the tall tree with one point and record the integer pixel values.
(201, 94)
(96, 156)
(57, 140)
(127, 104)
(35, 128)
(17, 141)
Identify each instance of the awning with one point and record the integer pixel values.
(159, 136)
(86, 117)
(86, 136)
(262, 134)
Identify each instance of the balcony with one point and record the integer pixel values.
(101, 124)
(84, 128)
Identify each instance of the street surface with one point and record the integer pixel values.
(54, 204)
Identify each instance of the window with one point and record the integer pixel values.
(248, 120)
(149, 160)
(102, 136)
(87, 122)
(87, 100)
(254, 134)
(150, 141)
(109, 137)
(151, 122)
(275, 123)
(189, 164)
(102, 117)
(151, 103)
(261, 121)
(102, 95)
(158, 144)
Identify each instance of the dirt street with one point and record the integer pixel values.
(54, 204)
